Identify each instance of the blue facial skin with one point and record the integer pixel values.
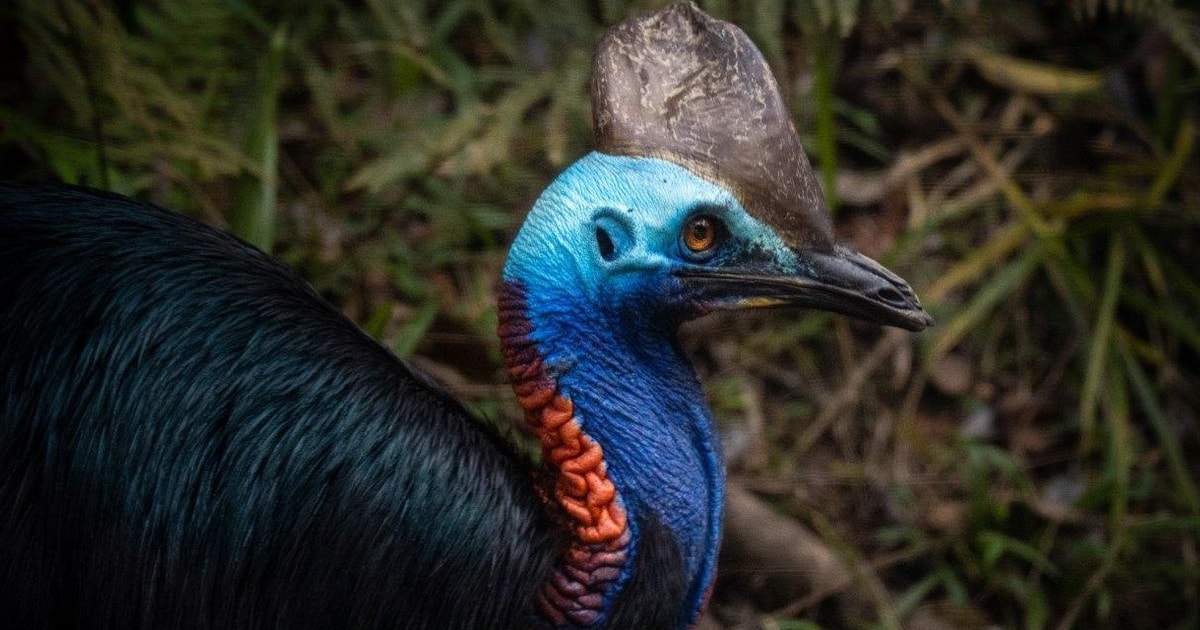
(598, 256)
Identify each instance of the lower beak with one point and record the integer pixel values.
(839, 280)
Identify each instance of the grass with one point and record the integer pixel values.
(1030, 462)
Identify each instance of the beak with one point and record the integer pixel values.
(839, 280)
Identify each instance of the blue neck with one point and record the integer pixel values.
(637, 395)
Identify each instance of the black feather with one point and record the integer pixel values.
(658, 583)
(190, 437)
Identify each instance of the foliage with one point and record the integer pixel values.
(1032, 166)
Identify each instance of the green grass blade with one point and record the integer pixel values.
(915, 595)
(1176, 276)
(1002, 284)
(985, 257)
(414, 330)
(1101, 341)
(825, 45)
(1177, 321)
(1120, 445)
(1170, 170)
(996, 545)
(253, 210)
(1168, 440)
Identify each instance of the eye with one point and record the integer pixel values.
(700, 233)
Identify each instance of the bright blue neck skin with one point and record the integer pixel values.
(605, 320)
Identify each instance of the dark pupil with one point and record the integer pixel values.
(700, 230)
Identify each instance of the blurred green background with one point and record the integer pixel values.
(1030, 462)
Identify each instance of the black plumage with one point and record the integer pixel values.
(190, 437)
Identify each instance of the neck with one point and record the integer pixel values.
(627, 440)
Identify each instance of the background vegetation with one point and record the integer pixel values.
(1031, 462)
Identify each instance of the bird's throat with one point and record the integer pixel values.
(587, 494)
(583, 496)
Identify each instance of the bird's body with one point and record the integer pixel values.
(190, 437)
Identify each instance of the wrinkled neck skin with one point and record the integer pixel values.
(608, 343)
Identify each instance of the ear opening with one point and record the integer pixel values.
(612, 234)
(604, 242)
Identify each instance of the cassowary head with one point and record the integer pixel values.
(699, 197)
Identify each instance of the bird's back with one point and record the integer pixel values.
(191, 437)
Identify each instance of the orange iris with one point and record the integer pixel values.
(700, 234)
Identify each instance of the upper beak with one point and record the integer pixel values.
(838, 280)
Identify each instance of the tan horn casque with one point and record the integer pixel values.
(682, 86)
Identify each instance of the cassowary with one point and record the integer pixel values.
(190, 437)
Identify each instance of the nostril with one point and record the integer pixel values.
(892, 296)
